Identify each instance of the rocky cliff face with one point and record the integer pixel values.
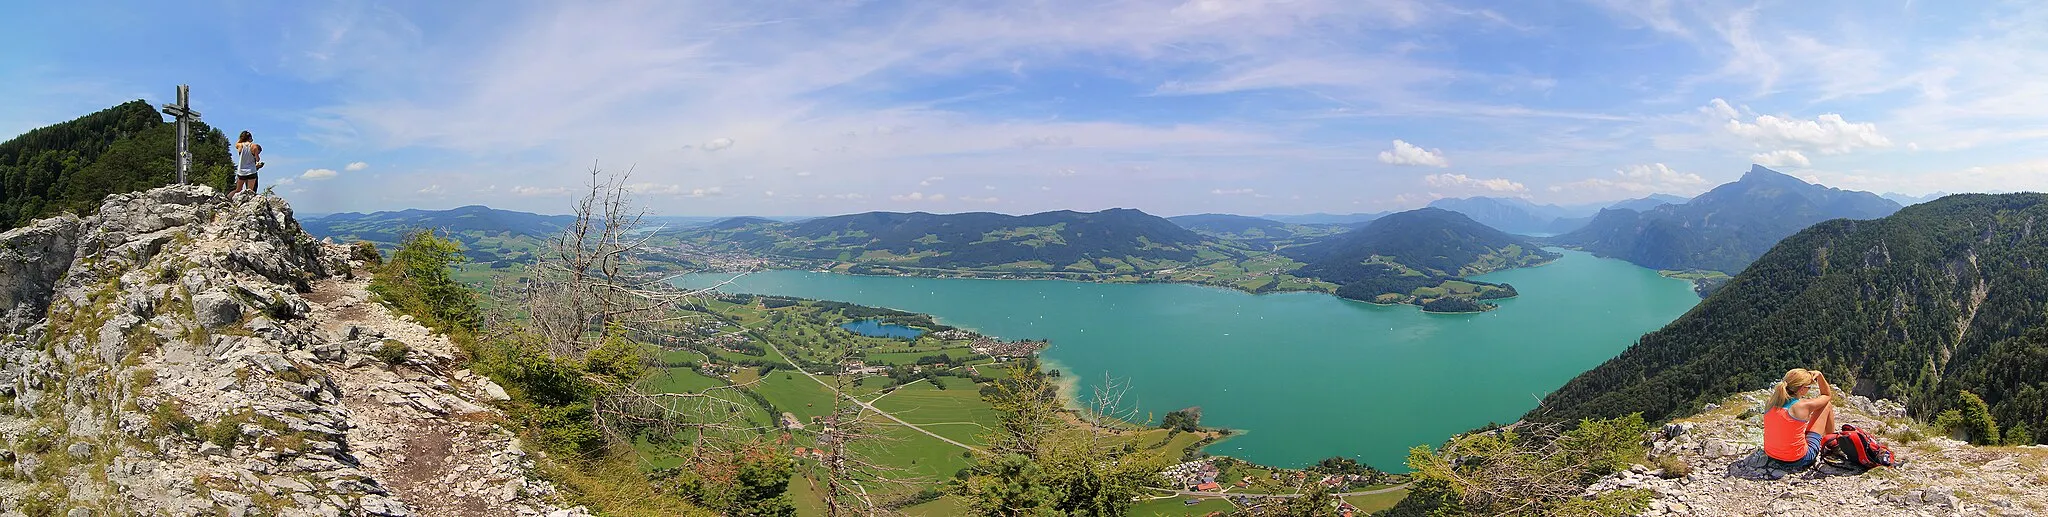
(180, 354)
(1722, 473)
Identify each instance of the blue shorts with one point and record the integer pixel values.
(1812, 453)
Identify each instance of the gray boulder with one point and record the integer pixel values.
(216, 309)
(32, 259)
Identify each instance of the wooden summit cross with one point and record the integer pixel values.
(182, 110)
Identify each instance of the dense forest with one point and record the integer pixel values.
(1410, 250)
(1725, 228)
(1057, 240)
(70, 166)
(1258, 233)
(1941, 298)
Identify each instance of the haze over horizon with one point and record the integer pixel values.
(1172, 107)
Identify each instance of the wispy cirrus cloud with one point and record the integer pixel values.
(1072, 104)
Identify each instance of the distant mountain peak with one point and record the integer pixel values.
(1725, 228)
(1759, 173)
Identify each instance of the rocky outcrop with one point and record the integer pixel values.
(1715, 470)
(179, 354)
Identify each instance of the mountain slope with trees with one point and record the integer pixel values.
(1649, 202)
(487, 235)
(1937, 300)
(1725, 228)
(71, 165)
(1401, 257)
(1115, 240)
(1256, 232)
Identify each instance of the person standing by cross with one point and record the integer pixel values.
(248, 158)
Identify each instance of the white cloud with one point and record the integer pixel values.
(1405, 153)
(918, 196)
(803, 174)
(1781, 158)
(1720, 110)
(769, 193)
(1634, 181)
(1232, 192)
(2028, 175)
(318, 174)
(1030, 142)
(431, 189)
(526, 191)
(929, 181)
(660, 189)
(1829, 133)
(849, 196)
(988, 187)
(356, 166)
(716, 144)
(1466, 183)
(985, 200)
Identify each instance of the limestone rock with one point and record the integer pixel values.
(32, 258)
(216, 309)
(1730, 475)
(191, 308)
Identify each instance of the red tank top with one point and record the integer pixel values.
(1784, 436)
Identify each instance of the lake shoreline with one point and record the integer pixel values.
(1292, 368)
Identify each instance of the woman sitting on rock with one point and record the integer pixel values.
(1800, 413)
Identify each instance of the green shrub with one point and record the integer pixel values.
(2019, 435)
(226, 433)
(417, 281)
(1607, 446)
(169, 418)
(1976, 419)
(1673, 466)
(1905, 434)
(1506, 471)
(366, 251)
(391, 351)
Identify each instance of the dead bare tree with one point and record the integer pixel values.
(853, 481)
(588, 292)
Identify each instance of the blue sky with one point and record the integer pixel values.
(1171, 106)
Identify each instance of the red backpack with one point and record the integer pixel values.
(1859, 447)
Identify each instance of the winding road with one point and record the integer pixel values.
(899, 421)
(869, 407)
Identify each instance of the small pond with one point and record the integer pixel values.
(875, 328)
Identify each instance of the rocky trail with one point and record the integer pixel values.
(179, 354)
(1937, 476)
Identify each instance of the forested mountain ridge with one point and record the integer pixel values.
(1939, 298)
(1115, 240)
(1256, 232)
(488, 235)
(71, 165)
(1725, 228)
(391, 226)
(1649, 202)
(1399, 257)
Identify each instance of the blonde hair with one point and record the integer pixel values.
(1794, 379)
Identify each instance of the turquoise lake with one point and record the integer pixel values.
(1305, 375)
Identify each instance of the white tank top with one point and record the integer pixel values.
(246, 151)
